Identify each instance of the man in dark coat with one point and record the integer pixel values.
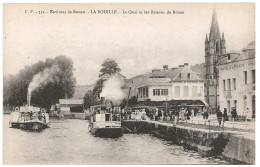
(234, 113)
(225, 116)
(219, 117)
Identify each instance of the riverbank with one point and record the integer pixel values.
(234, 144)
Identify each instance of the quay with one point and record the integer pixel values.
(231, 144)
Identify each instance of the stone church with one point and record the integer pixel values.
(215, 47)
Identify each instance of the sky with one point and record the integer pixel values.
(138, 42)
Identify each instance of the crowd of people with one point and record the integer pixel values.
(183, 114)
(159, 114)
(27, 116)
(223, 116)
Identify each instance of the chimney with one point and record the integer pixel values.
(165, 67)
(103, 100)
(185, 64)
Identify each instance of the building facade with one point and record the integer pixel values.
(171, 84)
(237, 80)
(215, 46)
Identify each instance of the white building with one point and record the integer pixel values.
(172, 84)
(237, 80)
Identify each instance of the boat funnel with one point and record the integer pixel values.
(103, 101)
(29, 97)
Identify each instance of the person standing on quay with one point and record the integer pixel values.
(248, 114)
(234, 113)
(192, 114)
(225, 116)
(219, 117)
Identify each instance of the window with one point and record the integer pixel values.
(194, 91)
(234, 84)
(186, 91)
(228, 57)
(229, 84)
(228, 106)
(201, 91)
(156, 92)
(253, 76)
(188, 76)
(107, 117)
(177, 91)
(224, 85)
(235, 103)
(245, 77)
(164, 92)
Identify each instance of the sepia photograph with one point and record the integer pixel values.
(128, 84)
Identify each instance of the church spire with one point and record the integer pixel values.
(223, 37)
(214, 30)
(206, 40)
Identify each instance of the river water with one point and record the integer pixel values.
(69, 142)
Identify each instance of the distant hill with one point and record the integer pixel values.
(80, 91)
(199, 68)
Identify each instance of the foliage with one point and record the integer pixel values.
(63, 82)
(89, 99)
(108, 68)
(131, 102)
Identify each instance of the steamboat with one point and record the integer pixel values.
(29, 117)
(105, 121)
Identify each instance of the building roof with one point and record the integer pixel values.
(71, 101)
(248, 52)
(175, 75)
(250, 46)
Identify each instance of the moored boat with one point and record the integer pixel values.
(104, 122)
(29, 118)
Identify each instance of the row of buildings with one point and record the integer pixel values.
(230, 76)
(229, 80)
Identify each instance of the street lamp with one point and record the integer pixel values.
(166, 105)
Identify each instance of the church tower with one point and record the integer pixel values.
(215, 46)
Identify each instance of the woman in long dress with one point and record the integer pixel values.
(248, 114)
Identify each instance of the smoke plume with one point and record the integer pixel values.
(44, 77)
(112, 90)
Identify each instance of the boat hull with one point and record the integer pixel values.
(29, 125)
(110, 132)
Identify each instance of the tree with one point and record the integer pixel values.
(60, 82)
(108, 68)
(89, 99)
